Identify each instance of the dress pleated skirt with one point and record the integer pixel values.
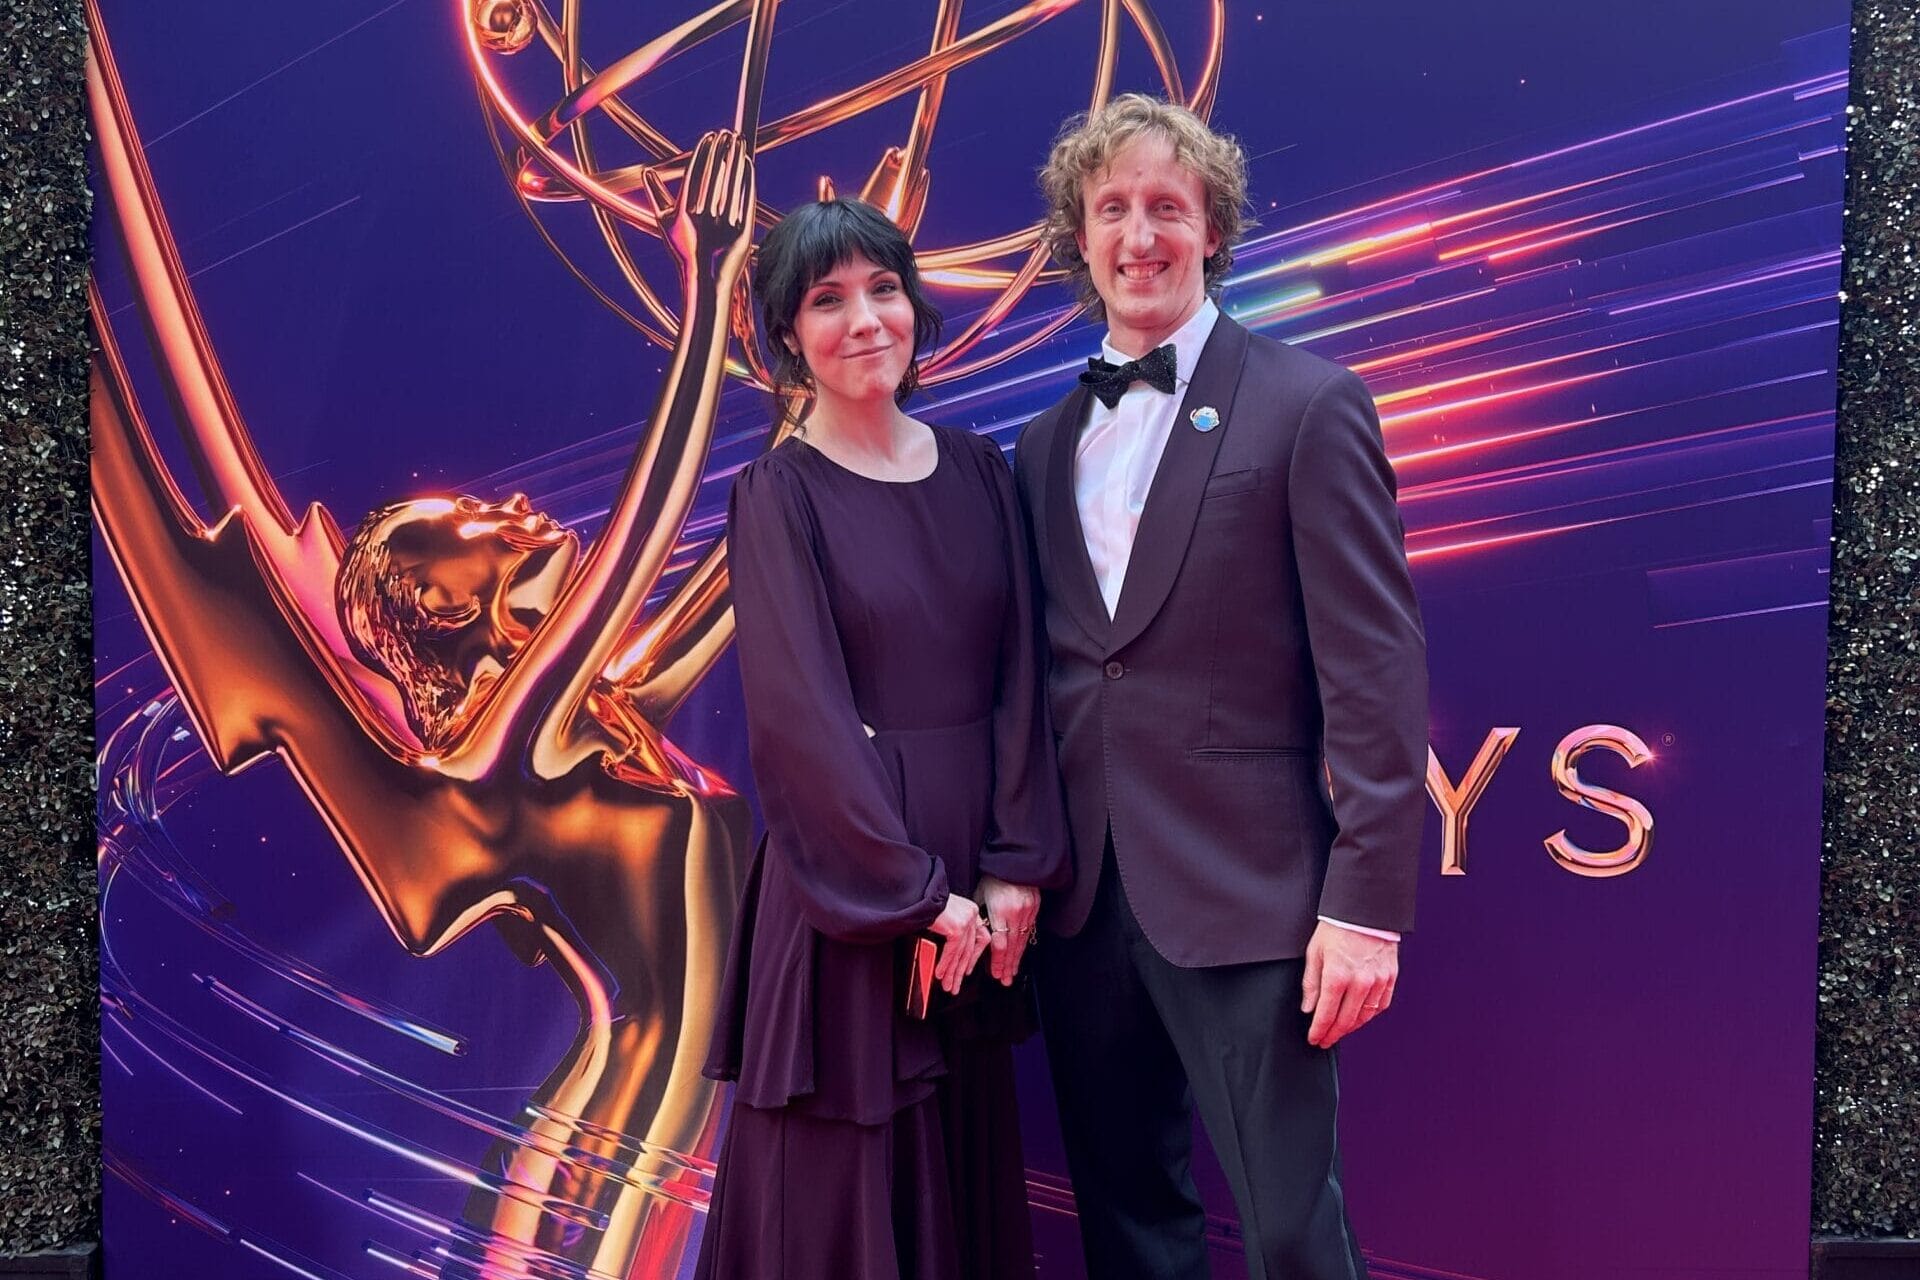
(936, 1193)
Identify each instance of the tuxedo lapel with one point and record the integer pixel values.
(1066, 541)
(1173, 500)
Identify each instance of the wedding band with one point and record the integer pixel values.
(998, 928)
(1374, 1007)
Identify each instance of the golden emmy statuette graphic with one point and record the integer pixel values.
(472, 701)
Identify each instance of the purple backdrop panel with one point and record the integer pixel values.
(400, 978)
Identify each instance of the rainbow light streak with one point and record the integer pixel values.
(389, 1209)
(1265, 311)
(193, 1215)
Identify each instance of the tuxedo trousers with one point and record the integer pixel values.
(1135, 1043)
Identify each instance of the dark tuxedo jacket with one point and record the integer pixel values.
(1266, 639)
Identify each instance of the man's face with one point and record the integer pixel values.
(1145, 236)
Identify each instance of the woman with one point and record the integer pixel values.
(895, 717)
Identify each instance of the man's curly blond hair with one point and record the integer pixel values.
(1088, 143)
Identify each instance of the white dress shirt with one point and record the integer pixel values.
(1114, 464)
(1119, 452)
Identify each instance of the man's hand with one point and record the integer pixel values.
(1349, 981)
(1011, 910)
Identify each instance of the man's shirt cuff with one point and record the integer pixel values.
(1385, 935)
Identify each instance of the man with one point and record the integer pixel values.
(1232, 629)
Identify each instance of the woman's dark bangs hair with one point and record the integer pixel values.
(809, 243)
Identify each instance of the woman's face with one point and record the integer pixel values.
(855, 331)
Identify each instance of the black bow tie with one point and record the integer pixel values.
(1110, 381)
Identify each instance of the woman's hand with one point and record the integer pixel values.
(1011, 911)
(963, 938)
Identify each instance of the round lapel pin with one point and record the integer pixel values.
(1205, 418)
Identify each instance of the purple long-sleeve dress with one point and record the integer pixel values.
(896, 718)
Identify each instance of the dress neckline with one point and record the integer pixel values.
(939, 461)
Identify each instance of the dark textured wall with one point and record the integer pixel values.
(1867, 1161)
(1867, 1175)
(49, 1074)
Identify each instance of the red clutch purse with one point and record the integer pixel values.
(923, 952)
(923, 997)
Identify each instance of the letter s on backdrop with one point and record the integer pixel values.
(1638, 821)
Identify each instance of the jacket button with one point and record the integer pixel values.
(1115, 671)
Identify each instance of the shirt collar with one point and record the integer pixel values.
(1188, 341)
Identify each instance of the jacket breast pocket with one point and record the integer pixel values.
(1226, 483)
(1248, 753)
